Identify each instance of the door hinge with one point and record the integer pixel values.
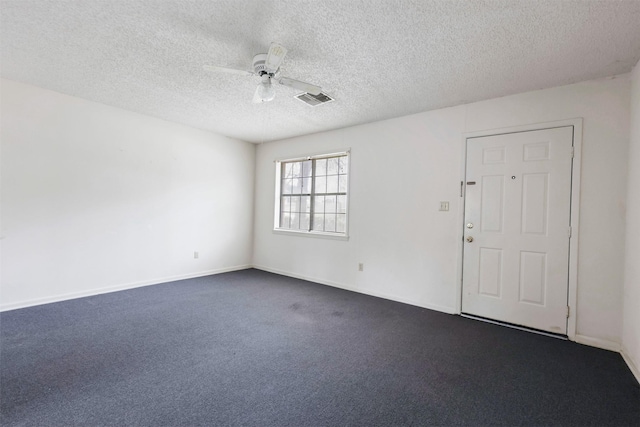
(569, 231)
(568, 311)
(573, 152)
(461, 187)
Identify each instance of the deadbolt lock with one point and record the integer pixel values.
(469, 225)
(469, 239)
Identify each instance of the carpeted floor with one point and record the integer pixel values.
(252, 348)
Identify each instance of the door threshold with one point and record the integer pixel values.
(512, 326)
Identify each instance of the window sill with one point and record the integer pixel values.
(316, 234)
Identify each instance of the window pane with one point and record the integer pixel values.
(319, 204)
(318, 222)
(332, 184)
(342, 187)
(306, 186)
(341, 223)
(332, 166)
(288, 169)
(330, 223)
(295, 204)
(321, 184)
(306, 168)
(294, 221)
(304, 221)
(321, 167)
(285, 206)
(284, 220)
(342, 164)
(296, 169)
(330, 204)
(286, 186)
(305, 204)
(342, 204)
(296, 185)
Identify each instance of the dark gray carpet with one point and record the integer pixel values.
(257, 349)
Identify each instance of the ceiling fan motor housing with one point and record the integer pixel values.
(259, 64)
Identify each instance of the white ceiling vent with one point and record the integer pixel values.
(314, 100)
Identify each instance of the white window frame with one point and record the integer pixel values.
(278, 197)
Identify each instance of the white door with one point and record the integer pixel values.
(516, 229)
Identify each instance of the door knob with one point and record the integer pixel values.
(469, 239)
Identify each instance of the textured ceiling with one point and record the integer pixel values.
(378, 59)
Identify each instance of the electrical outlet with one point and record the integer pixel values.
(444, 206)
(196, 255)
(360, 267)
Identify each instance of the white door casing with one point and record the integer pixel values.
(518, 203)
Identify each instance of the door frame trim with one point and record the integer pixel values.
(577, 123)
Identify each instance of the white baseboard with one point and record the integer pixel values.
(435, 307)
(630, 363)
(115, 288)
(598, 342)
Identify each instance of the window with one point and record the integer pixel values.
(312, 194)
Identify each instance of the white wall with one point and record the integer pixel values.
(402, 168)
(631, 322)
(95, 198)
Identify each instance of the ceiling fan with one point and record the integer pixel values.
(267, 67)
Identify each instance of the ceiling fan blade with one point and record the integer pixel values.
(227, 70)
(274, 57)
(297, 84)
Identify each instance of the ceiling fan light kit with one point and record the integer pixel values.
(265, 91)
(267, 67)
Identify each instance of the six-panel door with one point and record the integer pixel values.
(517, 214)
